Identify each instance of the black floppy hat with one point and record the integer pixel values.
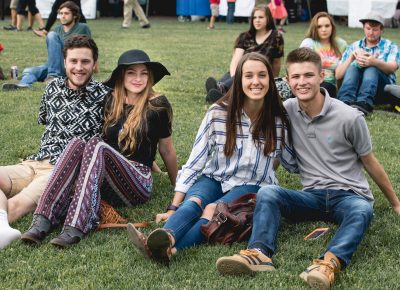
(136, 56)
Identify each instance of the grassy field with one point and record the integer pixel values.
(106, 259)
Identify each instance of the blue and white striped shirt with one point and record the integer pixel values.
(246, 166)
(385, 50)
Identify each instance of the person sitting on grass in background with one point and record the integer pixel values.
(367, 66)
(53, 17)
(116, 168)
(262, 37)
(214, 7)
(333, 147)
(234, 153)
(70, 107)
(321, 37)
(69, 17)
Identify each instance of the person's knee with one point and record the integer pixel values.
(19, 206)
(196, 200)
(52, 36)
(362, 210)
(268, 193)
(94, 140)
(371, 73)
(5, 182)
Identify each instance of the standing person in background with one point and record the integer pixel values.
(53, 17)
(134, 5)
(230, 14)
(321, 37)
(31, 4)
(13, 11)
(214, 7)
(262, 37)
(279, 13)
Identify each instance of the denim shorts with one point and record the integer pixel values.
(208, 190)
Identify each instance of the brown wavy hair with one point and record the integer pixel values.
(268, 15)
(265, 122)
(313, 31)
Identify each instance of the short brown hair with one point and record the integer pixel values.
(303, 54)
(81, 41)
(73, 8)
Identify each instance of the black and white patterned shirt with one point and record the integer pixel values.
(68, 113)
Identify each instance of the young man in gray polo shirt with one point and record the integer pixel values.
(333, 146)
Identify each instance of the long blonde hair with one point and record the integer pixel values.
(135, 125)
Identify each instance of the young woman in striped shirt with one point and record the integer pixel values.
(234, 153)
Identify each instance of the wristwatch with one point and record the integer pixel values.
(172, 207)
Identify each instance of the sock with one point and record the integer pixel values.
(7, 233)
(193, 237)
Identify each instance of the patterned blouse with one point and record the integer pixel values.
(246, 166)
(272, 47)
(68, 113)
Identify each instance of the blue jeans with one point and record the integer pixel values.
(230, 18)
(185, 223)
(54, 66)
(362, 85)
(350, 211)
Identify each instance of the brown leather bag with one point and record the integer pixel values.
(110, 218)
(231, 222)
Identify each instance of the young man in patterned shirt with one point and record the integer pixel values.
(70, 107)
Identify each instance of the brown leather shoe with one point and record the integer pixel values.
(159, 244)
(38, 230)
(68, 237)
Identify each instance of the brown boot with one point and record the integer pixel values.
(321, 274)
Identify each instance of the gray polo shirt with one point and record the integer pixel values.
(329, 145)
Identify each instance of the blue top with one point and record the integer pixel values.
(384, 50)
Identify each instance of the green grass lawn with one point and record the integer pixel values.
(106, 259)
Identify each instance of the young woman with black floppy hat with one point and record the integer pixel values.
(117, 168)
(234, 152)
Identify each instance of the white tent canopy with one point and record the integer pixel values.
(357, 9)
(242, 7)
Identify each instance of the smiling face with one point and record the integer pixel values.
(255, 81)
(79, 65)
(259, 20)
(135, 79)
(324, 28)
(305, 79)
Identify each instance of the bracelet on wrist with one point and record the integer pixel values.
(172, 207)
